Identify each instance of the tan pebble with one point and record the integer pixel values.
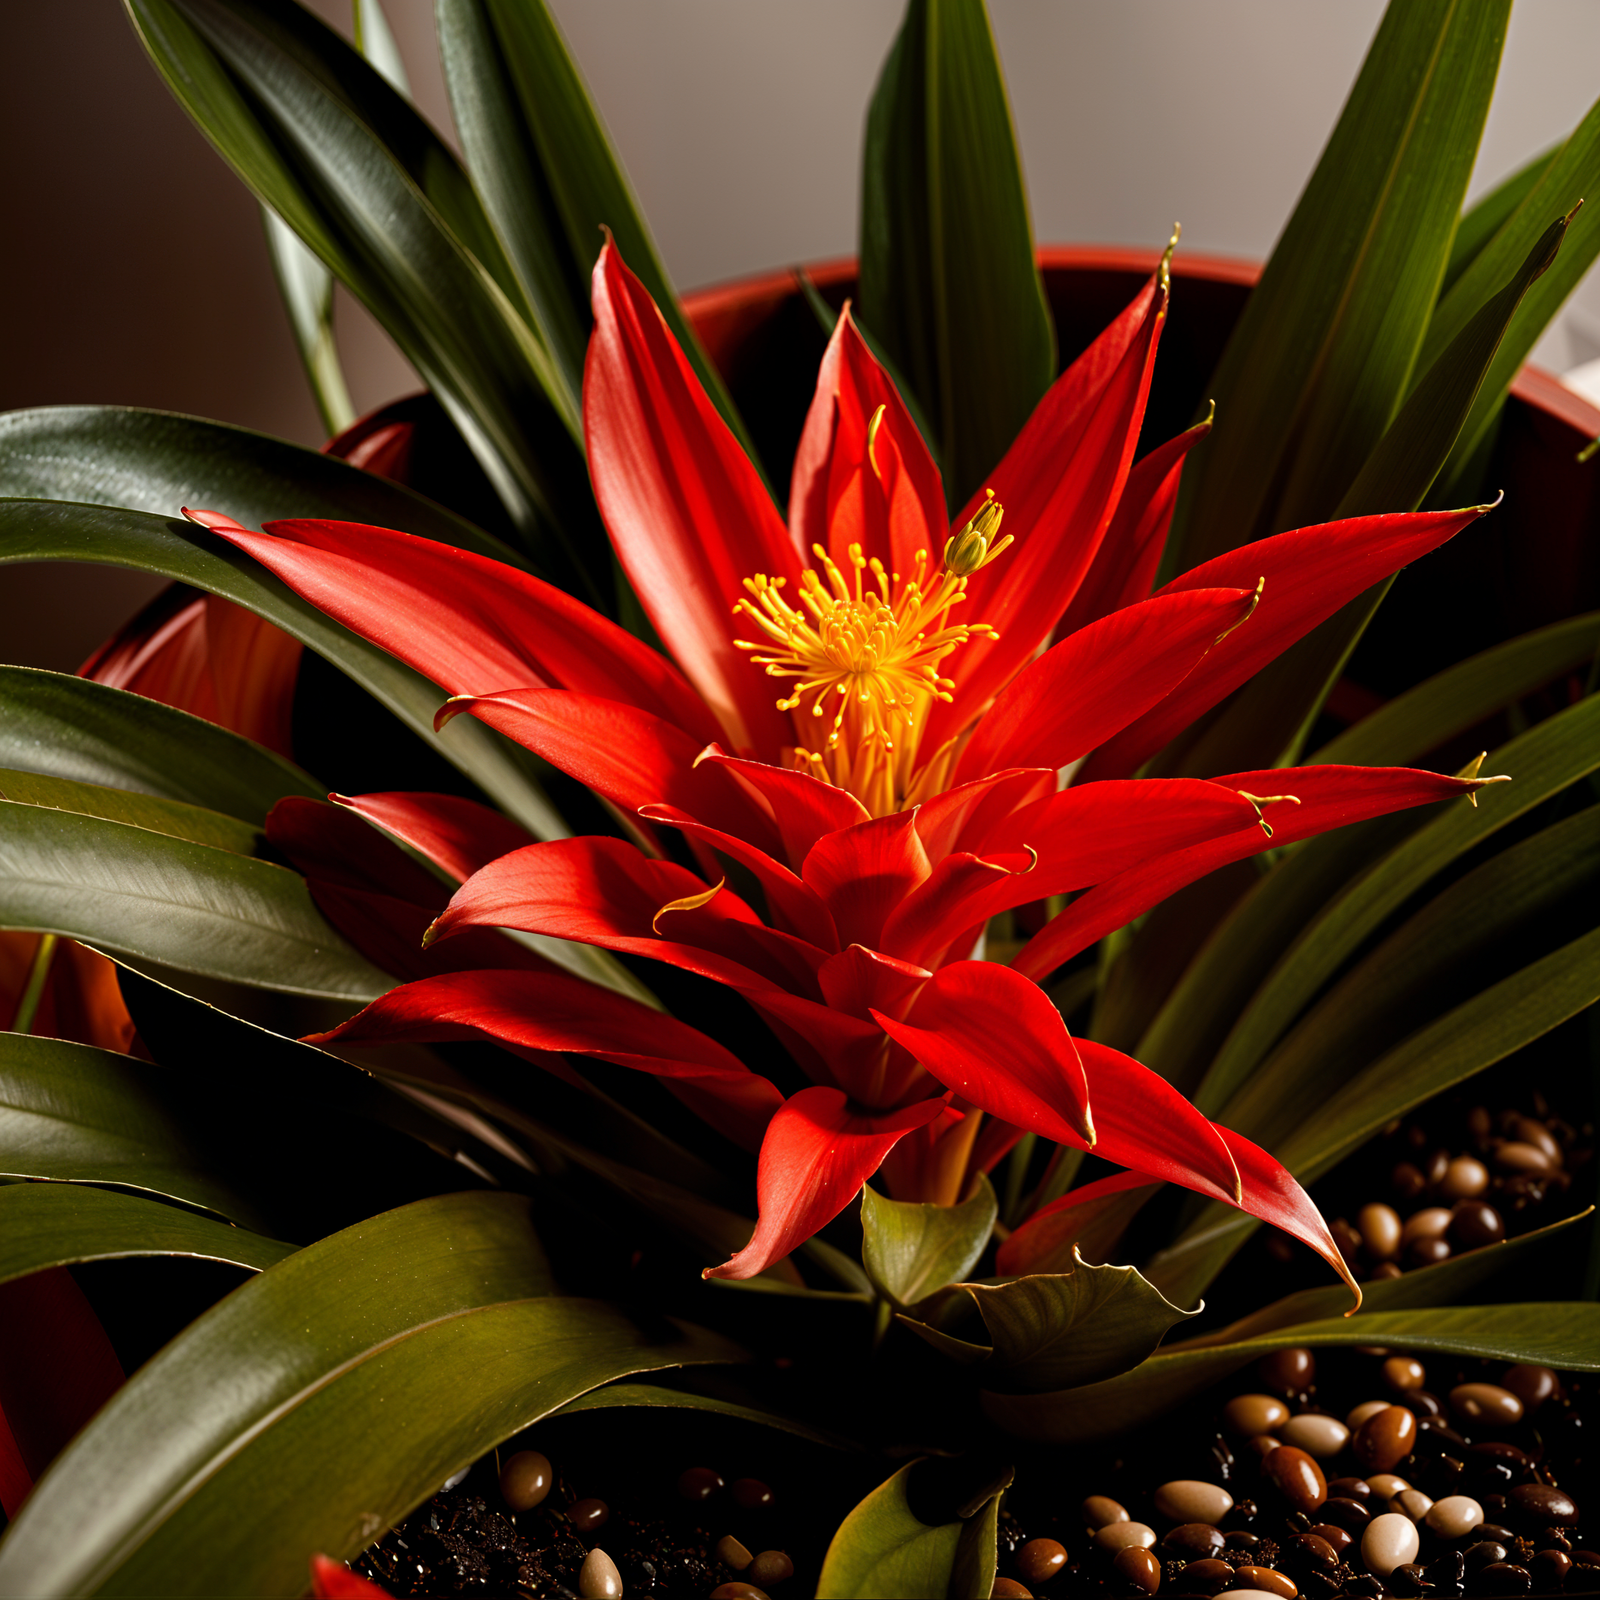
(1403, 1374)
(771, 1566)
(733, 1554)
(1486, 1403)
(1247, 1594)
(1262, 1444)
(1411, 1503)
(1191, 1500)
(1515, 1156)
(1206, 1576)
(1454, 1516)
(1530, 1384)
(1527, 1131)
(739, 1590)
(1265, 1580)
(1465, 1178)
(1386, 1270)
(1366, 1409)
(1386, 1485)
(525, 1480)
(1039, 1560)
(598, 1578)
(1246, 1415)
(1138, 1567)
(1120, 1535)
(1317, 1435)
(1009, 1589)
(1099, 1509)
(1429, 1223)
(1297, 1476)
(1390, 1541)
(1384, 1439)
(1379, 1226)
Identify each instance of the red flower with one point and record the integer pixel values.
(857, 710)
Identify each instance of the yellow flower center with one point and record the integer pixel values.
(865, 652)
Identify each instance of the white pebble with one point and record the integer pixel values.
(456, 1477)
(1192, 1500)
(1455, 1515)
(598, 1578)
(1317, 1435)
(1390, 1541)
(1367, 1408)
(1119, 1535)
(1386, 1485)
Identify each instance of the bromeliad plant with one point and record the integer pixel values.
(844, 763)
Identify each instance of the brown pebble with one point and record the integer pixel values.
(1429, 1223)
(1351, 1515)
(1311, 1550)
(1099, 1509)
(1379, 1227)
(1297, 1477)
(1475, 1223)
(699, 1483)
(1337, 1538)
(1535, 1133)
(739, 1590)
(1009, 1589)
(750, 1494)
(1138, 1567)
(1386, 1270)
(1289, 1371)
(1464, 1179)
(1402, 1374)
(1549, 1570)
(1360, 1413)
(1347, 1238)
(1406, 1181)
(771, 1566)
(1208, 1576)
(1349, 1489)
(1427, 1252)
(1246, 1415)
(1516, 1157)
(1039, 1560)
(732, 1554)
(1530, 1384)
(525, 1480)
(1538, 1505)
(588, 1516)
(1191, 1541)
(1486, 1404)
(1384, 1439)
(1267, 1581)
(598, 1578)
(1503, 1577)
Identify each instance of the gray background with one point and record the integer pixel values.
(133, 270)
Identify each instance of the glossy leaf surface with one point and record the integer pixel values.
(437, 1336)
(184, 905)
(881, 1549)
(1059, 1330)
(948, 281)
(51, 1224)
(652, 1396)
(911, 1251)
(171, 817)
(1563, 1334)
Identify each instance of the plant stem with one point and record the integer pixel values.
(33, 988)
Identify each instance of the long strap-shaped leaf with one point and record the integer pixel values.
(350, 166)
(53, 1224)
(1558, 1335)
(548, 177)
(263, 1432)
(170, 817)
(1317, 366)
(948, 280)
(184, 905)
(158, 462)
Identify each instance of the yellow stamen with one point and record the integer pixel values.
(865, 652)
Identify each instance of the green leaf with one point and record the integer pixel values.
(264, 1432)
(910, 1251)
(1543, 761)
(184, 905)
(349, 165)
(1054, 1331)
(1483, 1030)
(1558, 1334)
(307, 289)
(882, 1552)
(1317, 366)
(169, 817)
(1471, 932)
(81, 732)
(1571, 175)
(52, 1224)
(650, 1396)
(1480, 222)
(1449, 703)
(74, 1114)
(977, 1552)
(948, 280)
(157, 462)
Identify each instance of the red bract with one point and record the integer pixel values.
(864, 709)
